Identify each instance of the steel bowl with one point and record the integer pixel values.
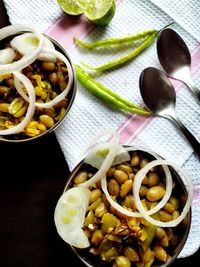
(70, 97)
(89, 260)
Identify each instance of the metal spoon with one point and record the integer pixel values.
(175, 58)
(159, 96)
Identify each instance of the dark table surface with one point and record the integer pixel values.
(33, 176)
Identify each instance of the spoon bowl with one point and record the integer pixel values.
(175, 58)
(159, 96)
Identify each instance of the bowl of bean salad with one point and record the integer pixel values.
(37, 84)
(118, 233)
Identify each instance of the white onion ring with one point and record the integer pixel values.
(62, 95)
(27, 59)
(7, 55)
(113, 145)
(158, 206)
(169, 182)
(31, 107)
(139, 176)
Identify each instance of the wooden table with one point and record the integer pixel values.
(31, 183)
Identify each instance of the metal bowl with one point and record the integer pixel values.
(70, 96)
(90, 260)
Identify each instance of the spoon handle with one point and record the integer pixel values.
(191, 139)
(193, 88)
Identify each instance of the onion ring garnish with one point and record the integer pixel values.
(27, 42)
(62, 95)
(169, 183)
(7, 55)
(27, 59)
(136, 186)
(30, 110)
(158, 206)
(112, 147)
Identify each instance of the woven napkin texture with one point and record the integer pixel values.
(89, 116)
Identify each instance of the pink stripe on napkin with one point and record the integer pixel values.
(67, 27)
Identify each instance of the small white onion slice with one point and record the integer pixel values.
(62, 95)
(27, 59)
(69, 216)
(97, 156)
(139, 177)
(7, 55)
(112, 147)
(26, 43)
(31, 108)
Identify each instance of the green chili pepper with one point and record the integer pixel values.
(115, 41)
(120, 61)
(103, 93)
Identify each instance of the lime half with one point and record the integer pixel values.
(70, 7)
(100, 12)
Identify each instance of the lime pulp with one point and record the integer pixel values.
(70, 7)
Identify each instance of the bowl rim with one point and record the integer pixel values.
(181, 244)
(72, 91)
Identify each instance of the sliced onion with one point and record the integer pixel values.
(138, 180)
(112, 146)
(26, 43)
(27, 59)
(62, 95)
(97, 156)
(158, 206)
(31, 108)
(69, 216)
(168, 176)
(7, 55)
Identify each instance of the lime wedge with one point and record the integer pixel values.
(70, 7)
(100, 12)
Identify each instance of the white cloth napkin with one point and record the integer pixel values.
(89, 116)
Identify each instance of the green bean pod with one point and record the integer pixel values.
(115, 41)
(103, 93)
(120, 61)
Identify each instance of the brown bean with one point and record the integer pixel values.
(160, 253)
(113, 188)
(47, 120)
(174, 201)
(153, 179)
(135, 160)
(125, 168)
(169, 207)
(143, 191)
(96, 193)
(155, 193)
(120, 176)
(53, 77)
(110, 172)
(125, 188)
(131, 253)
(165, 216)
(175, 214)
(48, 66)
(81, 177)
(160, 233)
(143, 162)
